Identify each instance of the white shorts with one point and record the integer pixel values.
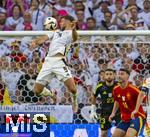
(53, 67)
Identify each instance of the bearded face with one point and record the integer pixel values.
(2, 18)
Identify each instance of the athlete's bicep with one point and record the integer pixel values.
(45, 38)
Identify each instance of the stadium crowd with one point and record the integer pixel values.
(91, 14)
(87, 60)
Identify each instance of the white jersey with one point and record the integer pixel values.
(60, 41)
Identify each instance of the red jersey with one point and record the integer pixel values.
(127, 99)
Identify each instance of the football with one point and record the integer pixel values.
(50, 23)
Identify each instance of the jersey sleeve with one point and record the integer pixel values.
(135, 90)
(50, 35)
(96, 92)
(97, 89)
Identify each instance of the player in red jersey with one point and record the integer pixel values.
(128, 99)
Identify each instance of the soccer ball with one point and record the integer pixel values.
(50, 23)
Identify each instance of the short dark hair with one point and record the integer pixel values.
(68, 17)
(110, 69)
(36, 1)
(16, 5)
(108, 12)
(125, 70)
(91, 18)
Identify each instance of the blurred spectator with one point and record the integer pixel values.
(145, 14)
(114, 61)
(10, 4)
(24, 46)
(117, 4)
(120, 10)
(142, 62)
(102, 63)
(120, 18)
(136, 21)
(80, 17)
(92, 5)
(2, 5)
(107, 23)
(4, 49)
(130, 26)
(11, 78)
(4, 61)
(55, 14)
(38, 16)
(3, 17)
(132, 3)
(16, 17)
(93, 67)
(91, 23)
(101, 76)
(79, 5)
(27, 23)
(138, 80)
(62, 5)
(84, 83)
(45, 7)
(16, 55)
(99, 13)
(85, 54)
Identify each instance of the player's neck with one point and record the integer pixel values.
(109, 83)
(68, 27)
(123, 85)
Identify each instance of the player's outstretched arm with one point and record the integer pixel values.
(74, 32)
(35, 43)
(74, 35)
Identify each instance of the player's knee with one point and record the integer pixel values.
(72, 89)
(115, 134)
(38, 88)
(130, 134)
(104, 134)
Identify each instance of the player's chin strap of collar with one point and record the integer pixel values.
(62, 29)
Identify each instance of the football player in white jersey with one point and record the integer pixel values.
(55, 64)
